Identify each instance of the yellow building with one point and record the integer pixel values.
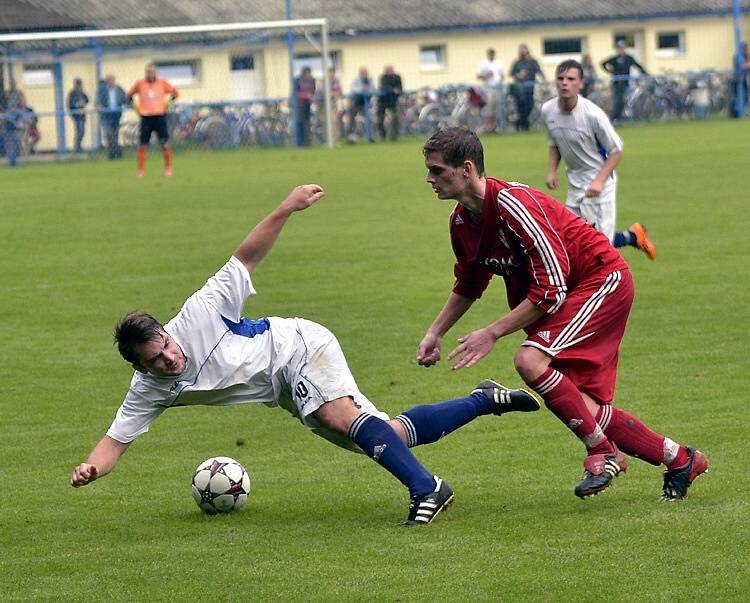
(429, 45)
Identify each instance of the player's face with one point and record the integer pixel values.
(150, 73)
(161, 356)
(569, 83)
(447, 181)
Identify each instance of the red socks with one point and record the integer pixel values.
(168, 158)
(567, 404)
(634, 438)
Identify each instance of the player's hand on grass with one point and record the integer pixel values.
(428, 352)
(472, 348)
(83, 474)
(553, 182)
(303, 197)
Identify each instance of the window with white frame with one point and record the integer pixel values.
(38, 74)
(558, 49)
(432, 58)
(315, 63)
(179, 73)
(670, 43)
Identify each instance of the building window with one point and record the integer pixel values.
(557, 49)
(670, 44)
(38, 74)
(242, 63)
(624, 36)
(432, 58)
(315, 63)
(179, 73)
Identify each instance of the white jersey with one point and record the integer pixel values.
(585, 138)
(491, 73)
(230, 359)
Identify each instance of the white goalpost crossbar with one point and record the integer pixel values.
(198, 29)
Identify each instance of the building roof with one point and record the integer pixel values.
(345, 17)
(20, 16)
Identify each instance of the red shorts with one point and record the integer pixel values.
(583, 336)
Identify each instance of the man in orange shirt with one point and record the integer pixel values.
(152, 94)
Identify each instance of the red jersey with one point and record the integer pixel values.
(540, 248)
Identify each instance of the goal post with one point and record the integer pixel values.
(236, 72)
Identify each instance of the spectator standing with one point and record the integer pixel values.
(359, 102)
(336, 92)
(525, 71)
(589, 75)
(741, 66)
(110, 101)
(390, 91)
(619, 67)
(492, 73)
(13, 126)
(77, 101)
(304, 92)
(153, 103)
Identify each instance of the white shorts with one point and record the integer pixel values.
(318, 373)
(599, 211)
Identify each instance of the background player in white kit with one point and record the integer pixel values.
(579, 132)
(209, 354)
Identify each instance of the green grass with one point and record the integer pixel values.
(83, 243)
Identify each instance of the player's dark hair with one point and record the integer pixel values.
(456, 145)
(569, 64)
(133, 329)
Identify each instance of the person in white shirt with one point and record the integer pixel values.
(492, 73)
(579, 132)
(209, 354)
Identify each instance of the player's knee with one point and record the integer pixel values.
(530, 363)
(338, 415)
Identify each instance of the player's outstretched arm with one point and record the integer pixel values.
(101, 461)
(262, 238)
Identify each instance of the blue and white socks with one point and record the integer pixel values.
(380, 442)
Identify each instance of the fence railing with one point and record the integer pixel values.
(268, 122)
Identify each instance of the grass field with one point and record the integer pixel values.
(83, 243)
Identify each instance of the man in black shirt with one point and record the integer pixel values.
(390, 90)
(619, 67)
(525, 71)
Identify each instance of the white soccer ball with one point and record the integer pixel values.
(221, 485)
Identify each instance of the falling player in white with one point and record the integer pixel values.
(579, 132)
(209, 354)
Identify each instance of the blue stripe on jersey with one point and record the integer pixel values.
(247, 327)
(600, 148)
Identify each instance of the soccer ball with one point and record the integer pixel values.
(220, 485)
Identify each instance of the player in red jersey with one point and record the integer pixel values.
(567, 288)
(153, 93)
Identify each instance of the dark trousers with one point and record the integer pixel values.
(619, 98)
(11, 141)
(302, 132)
(524, 104)
(79, 123)
(111, 127)
(393, 127)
